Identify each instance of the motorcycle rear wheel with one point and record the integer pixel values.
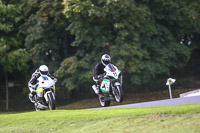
(104, 102)
(51, 102)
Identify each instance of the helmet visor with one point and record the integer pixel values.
(44, 72)
(106, 62)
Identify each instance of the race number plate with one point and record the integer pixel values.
(105, 86)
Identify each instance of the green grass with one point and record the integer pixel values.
(174, 119)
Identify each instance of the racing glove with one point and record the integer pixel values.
(55, 79)
(101, 76)
(33, 92)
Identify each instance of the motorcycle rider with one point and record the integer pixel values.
(32, 84)
(99, 72)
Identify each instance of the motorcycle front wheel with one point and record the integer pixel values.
(118, 94)
(103, 102)
(51, 102)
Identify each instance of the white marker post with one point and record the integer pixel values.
(170, 81)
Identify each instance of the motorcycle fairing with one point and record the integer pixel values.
(39, 92)
(105, 86)
(112, 71)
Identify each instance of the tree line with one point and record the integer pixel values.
(145, 39)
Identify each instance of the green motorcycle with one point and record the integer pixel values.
(111, 86)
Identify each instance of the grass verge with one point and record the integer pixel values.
(181, 118)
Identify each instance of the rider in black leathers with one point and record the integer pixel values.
(99, 72)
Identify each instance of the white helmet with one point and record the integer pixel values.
(43, 70)
(105, 59)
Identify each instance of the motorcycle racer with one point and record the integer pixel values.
(32, 84)
(99, 72)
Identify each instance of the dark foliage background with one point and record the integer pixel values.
(149, 40)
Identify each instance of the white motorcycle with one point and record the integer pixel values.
(111, 86)
(45, 94)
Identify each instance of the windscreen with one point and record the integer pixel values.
(44, 77)
(110, 67)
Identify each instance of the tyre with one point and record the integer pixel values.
(51, 102)
(104, 102)
(119, 94)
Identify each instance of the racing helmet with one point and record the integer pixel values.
(43, 69)
(105, 59)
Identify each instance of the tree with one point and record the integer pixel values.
(142, 37)
(45, 35)
(13, 56)
(44, 31)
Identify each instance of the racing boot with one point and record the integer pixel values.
(96, 89)
(31, 95)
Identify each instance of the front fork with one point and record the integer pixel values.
(46, 97)
(114, 90)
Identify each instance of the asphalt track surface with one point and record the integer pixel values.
(167, 102)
